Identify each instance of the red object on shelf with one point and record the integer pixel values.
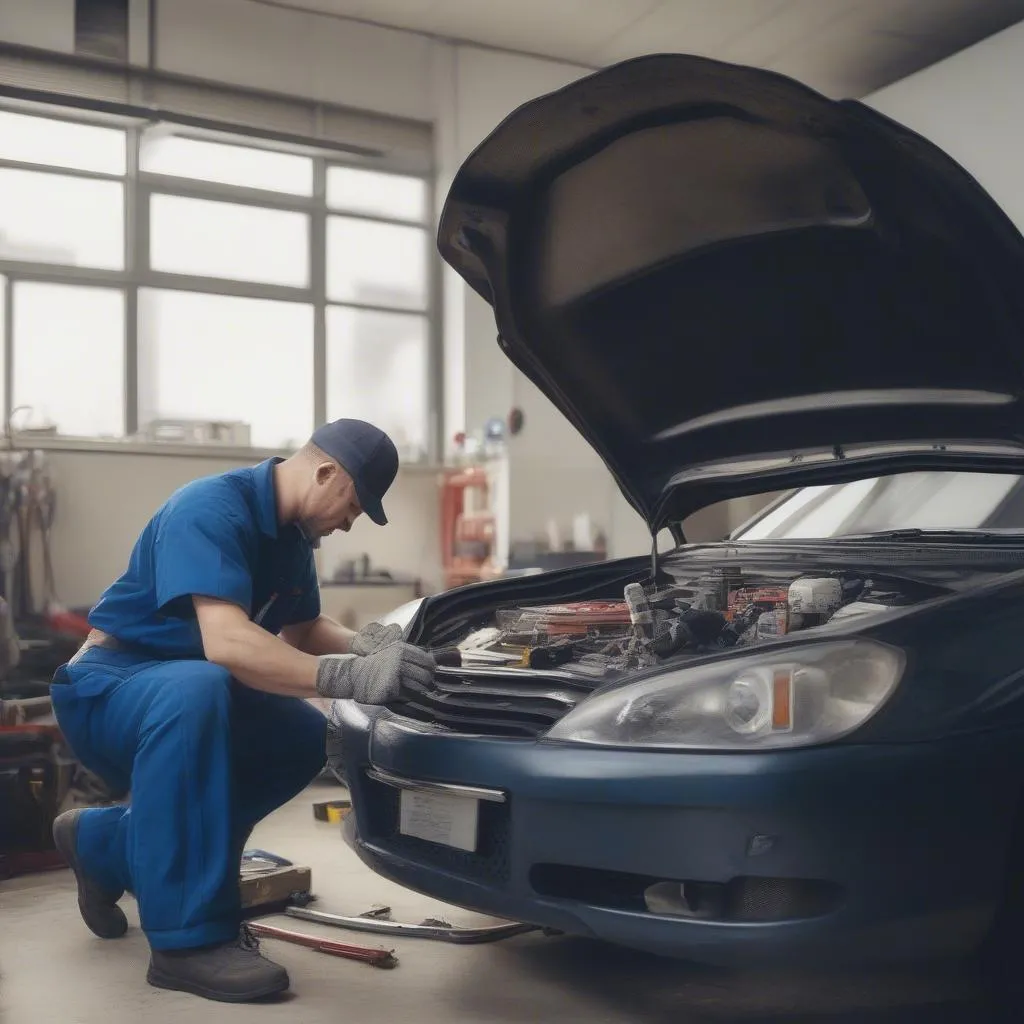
(467, 527)
(68, 622)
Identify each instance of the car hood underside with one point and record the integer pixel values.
(731, 284)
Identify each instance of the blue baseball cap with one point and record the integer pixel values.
(367, 454)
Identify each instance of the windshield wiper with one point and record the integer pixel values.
(959, 536)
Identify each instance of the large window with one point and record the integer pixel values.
(157, 285)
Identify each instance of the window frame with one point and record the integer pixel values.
(139, 187)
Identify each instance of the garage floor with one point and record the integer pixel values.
(53, 970)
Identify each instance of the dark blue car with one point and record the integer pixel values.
(805, 740)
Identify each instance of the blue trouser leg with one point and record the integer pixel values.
(278, 748)
(207, 758)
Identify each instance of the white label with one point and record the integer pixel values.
(439, 818)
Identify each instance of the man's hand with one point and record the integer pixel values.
(374, 637)
(373, 678)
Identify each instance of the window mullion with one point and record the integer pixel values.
(8, 332)
(318, 283)
(136, 222)
(436, 427)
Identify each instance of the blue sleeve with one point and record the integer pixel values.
(307, 607)
(201, 550)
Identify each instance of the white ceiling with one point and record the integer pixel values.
(841, 47)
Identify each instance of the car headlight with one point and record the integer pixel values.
(798, 697)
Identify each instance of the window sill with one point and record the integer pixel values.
(234, 453)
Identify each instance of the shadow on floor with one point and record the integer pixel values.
(650, 990)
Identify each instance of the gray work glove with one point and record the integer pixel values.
(374, 637)
(335, 746)
(374, 678)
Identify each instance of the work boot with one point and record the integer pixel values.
(97, 903)
(233, 972)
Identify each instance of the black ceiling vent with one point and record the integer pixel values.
(101, 28)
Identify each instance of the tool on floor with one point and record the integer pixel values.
(255, 862)
(378, 911)
(331, 810)
(384, 958)
(379, 922)
(267, 880)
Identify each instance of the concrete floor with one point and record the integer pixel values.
(53, 970)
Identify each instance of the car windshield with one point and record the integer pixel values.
(923, 501)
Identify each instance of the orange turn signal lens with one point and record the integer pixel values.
(782, 701)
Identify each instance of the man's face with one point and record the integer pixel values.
(331, 502)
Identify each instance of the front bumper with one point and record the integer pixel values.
(911, 840)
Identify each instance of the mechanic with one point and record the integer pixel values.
(189, 693)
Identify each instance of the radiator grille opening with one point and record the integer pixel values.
(745, 899)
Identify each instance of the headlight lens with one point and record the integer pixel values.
(799, 697)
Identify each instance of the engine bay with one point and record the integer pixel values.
(694, 615)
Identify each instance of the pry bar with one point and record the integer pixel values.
(384, 958)
(427, 930)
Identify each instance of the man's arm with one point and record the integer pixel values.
(321, 635)
(253, 656)
(265, 662)
(205, 555)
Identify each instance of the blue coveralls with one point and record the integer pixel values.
(204, 756)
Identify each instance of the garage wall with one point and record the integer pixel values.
(105, 498)
(464, 92)
(257, 46)
(298, 53)
(970, 106)
(47, 24)
(554, 474)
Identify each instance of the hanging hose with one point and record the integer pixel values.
(28, 506)
(57, 616)
(8, 548)
(24, 603)
(45, 507)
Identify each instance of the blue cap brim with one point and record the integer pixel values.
(372, 506)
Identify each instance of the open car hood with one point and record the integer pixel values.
(730, 284)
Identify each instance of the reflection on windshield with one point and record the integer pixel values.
(923, 501)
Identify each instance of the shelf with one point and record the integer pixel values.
(21, 442)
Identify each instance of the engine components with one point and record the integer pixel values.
(715, 611)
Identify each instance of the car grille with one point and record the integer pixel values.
(491, 861)
(494, 703)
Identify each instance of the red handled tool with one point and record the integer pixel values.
(364, 954)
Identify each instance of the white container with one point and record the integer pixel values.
(812, 596)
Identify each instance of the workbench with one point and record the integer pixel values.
(358, 601)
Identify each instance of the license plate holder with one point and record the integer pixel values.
(443, 819)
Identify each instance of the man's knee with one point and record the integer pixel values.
(302, 741)
(308, 735)
(195, 691)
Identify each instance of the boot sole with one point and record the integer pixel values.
(64, 835)
(158, 979)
